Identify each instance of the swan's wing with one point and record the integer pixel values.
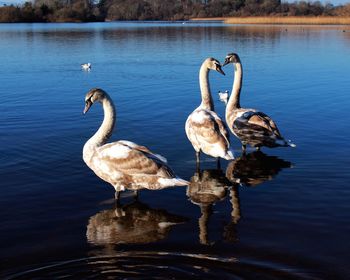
(131, 159)
(222, 127)
(258, 121)
(144, 150)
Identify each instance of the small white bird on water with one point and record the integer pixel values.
(223, 96)
(86, 66)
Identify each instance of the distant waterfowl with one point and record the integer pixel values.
(204, 128)
(223, 96)
(123, 164)
(86, 66)
(250, 126)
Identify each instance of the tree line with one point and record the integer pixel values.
(110, 10)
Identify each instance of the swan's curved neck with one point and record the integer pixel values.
(233, 102)
(207, 100)
(105, 131)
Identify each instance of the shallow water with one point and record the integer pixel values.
(287, 220)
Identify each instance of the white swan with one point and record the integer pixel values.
(223, 96)
(204, 128)
(86, 66)
(123, 164)
(250, 126)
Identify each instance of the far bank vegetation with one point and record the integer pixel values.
(110, 10)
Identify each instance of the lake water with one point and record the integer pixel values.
(289, 219)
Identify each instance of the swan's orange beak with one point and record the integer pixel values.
(87, 106)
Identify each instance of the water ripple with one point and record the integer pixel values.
(162, 265)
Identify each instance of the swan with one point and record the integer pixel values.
(86, 66)
(250, 126)
(204, 128)
(223, 96)
(123, 164)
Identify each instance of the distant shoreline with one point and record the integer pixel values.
(291, 20)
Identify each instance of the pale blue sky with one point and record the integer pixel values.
(334, 2)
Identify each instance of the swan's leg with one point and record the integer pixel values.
(136, 194)
(197, 156)
(218, 163)
(117, 195)
(244, 148)
(197, 160)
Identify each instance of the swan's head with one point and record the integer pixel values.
(214, 64)
(94, 95)
(231, 58)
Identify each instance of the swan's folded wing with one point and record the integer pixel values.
(222, 127)
(144, 150)
(208, 128)
(138, 160)
(258, 121)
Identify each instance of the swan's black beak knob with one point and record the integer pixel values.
(88, 104)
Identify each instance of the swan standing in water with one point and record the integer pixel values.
(204, 128)
(123, 164)
(250, 126)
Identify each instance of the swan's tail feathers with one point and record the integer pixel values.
(161, 158)
(181, 182)
(229, 155)
(285, 143)
(165, 182)
(290, 144)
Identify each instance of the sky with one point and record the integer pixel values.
(334, 2)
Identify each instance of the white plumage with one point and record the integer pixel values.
(86, 66)
(223, 96)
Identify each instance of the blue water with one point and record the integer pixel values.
(291, 214)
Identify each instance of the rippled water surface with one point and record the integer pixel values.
(287, 219)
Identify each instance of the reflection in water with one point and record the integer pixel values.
(205, 189)
(230, 232)
(255, 168)
(134, 223)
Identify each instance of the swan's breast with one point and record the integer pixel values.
(199, 116)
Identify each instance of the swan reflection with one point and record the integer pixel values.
(134, 223)
(255, 168)
(206, 188)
